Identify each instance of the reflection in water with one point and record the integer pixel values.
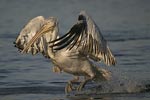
(92, 93)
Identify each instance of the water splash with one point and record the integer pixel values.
(120, 84)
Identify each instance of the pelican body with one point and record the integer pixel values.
(73, 53)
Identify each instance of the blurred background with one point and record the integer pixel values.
(125, 24)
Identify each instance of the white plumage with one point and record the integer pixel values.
(72, 53)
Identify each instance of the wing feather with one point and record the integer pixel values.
(34, 37)
(87, 39)
(27, 33)
(69, 38)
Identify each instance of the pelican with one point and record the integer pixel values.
(75, 53)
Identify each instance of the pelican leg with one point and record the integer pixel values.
(82, 84)
(69, 87)
(56, 69)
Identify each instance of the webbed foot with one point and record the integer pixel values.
(69, 87)
(81, 86)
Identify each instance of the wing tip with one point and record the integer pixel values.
(111, 59)
(107, 57)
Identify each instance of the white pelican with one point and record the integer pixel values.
(72, 53)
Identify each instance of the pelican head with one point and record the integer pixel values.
(51, 20)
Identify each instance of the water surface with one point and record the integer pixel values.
(126, 26)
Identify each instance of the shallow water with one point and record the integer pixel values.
(126, 26)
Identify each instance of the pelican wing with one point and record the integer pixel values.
(34, 37)
(86, 37)
(28, 32)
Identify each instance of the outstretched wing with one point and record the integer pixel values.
(86, 37)
(34, 37)
(27, 33)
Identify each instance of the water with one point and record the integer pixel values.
(126, 26)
